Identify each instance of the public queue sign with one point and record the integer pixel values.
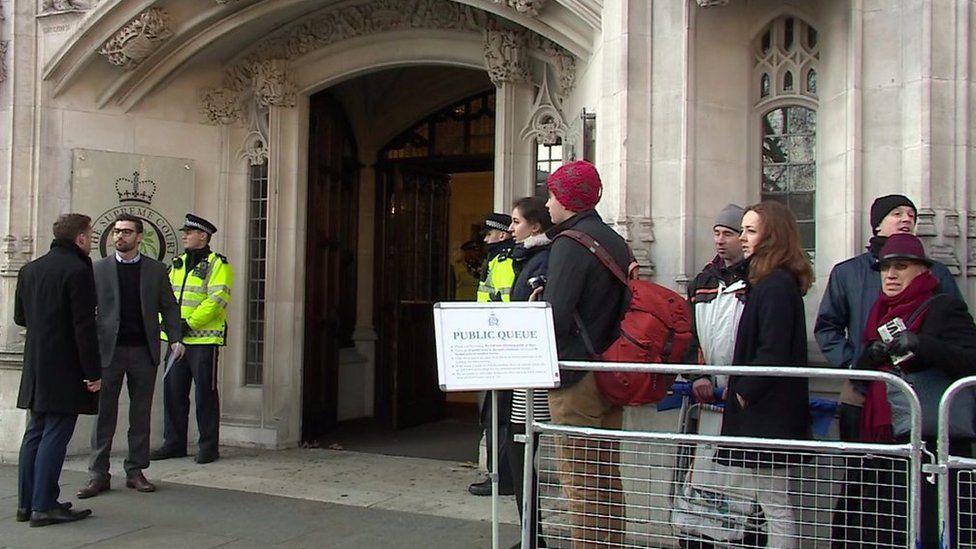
(489, 346)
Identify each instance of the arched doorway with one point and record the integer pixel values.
(381, 239)
(330, 248)
(417, 172)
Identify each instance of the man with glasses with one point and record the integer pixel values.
(133, 291)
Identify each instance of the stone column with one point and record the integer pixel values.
(18, 196)
(506, 57)
(623, 120)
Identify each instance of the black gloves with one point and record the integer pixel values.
(876, 354)
(903, 343)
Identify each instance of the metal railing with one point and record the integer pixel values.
(631, 488)
(956, 477)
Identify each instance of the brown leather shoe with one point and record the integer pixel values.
(139, 483)
(94, 487)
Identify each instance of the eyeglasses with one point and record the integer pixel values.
(123, 232)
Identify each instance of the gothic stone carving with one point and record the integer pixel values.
(270, 85)
(940, 249)
(506, 54)
(16, 254)
(53, 7)
(546, 123)
(639, 232)
(925, 223)
(137, 40)
(220, 105)
(563, 63)
(526, 7)
(343, 23)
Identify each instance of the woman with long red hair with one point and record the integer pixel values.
(772, 332)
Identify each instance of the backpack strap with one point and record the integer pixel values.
(599, 251)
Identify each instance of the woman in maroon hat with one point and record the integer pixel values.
(929, 338)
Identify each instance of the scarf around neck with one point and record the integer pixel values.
(876, 414)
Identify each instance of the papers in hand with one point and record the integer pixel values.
(170, 360)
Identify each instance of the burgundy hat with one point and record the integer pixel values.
(903, 246)
(576, 185)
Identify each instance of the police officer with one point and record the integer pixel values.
(499, 272)
(202, 281)
(496, 285)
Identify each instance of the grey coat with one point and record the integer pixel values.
(156, 296)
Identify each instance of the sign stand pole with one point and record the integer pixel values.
(494, 469)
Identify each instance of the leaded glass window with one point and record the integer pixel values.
(257, 255)
(787, 58)
(548, 158)
(789, 169)
(464, 129)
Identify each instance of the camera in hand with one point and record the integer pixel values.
(888, 331)
(537, 282)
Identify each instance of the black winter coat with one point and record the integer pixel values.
(528, 263)
(56, 302)
(578, 282)
(772, 332)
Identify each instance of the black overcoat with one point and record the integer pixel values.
(772, 332)
(55, 301)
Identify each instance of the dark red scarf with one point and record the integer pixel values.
(876, 414)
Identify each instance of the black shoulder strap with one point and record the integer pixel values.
(921, 309)
(599, 251)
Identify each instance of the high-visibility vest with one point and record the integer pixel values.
(203, 294)
(497, 285)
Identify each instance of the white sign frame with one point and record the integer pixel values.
(527, 335)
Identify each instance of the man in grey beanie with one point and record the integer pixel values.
(717, 296)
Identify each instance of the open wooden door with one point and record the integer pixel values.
(412, 273)
(330, 283)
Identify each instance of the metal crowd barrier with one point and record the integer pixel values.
(956, 478)
(645, 488)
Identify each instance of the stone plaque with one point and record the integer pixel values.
(158, 190)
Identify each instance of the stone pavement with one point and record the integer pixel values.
(257, 498)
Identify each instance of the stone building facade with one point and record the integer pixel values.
(684, 105)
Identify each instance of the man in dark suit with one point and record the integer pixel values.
(133, 291)
(55, 301)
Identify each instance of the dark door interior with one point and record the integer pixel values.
(330, 283)
(411, 275)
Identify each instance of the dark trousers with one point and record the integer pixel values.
(516, 460)
(136, 366)
(199, 367)
(41, 458)
(504, 434)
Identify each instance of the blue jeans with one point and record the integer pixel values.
(41, 458)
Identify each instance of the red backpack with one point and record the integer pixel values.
(656, 328)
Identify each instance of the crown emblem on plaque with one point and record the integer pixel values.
(492, 319)
(135, 189)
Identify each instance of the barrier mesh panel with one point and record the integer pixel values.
(605, 492)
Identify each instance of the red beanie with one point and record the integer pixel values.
(576, 185)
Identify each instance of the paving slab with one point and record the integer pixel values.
(293, 498)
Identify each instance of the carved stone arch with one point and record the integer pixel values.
(571, 27)
(546, 124)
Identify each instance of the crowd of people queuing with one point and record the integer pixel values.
(747, 309)
(892, 308)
